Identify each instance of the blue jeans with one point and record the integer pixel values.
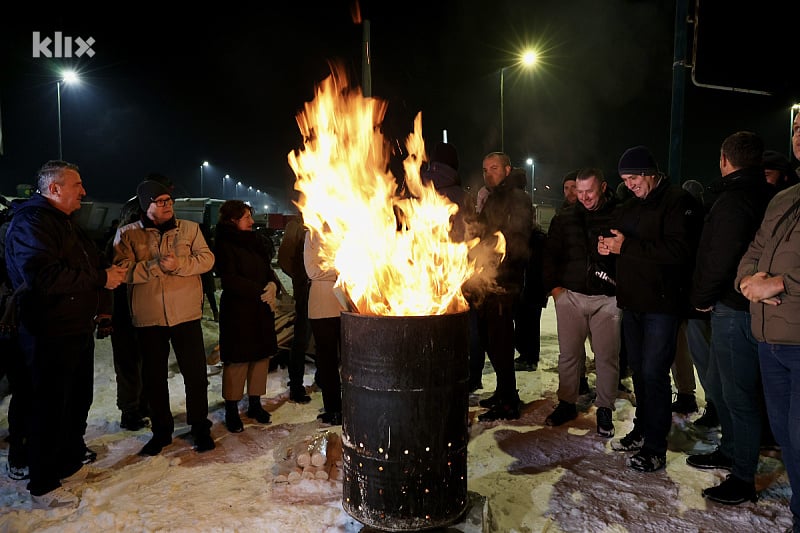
(780, 372)
(650, 340)
(698, 337)
(735, 388)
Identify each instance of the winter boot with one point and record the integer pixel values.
(256, 411)
(232, 420)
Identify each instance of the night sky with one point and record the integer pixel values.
(164, 92)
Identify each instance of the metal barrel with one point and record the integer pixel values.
(405, 405)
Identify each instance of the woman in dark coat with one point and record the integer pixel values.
(247, 318)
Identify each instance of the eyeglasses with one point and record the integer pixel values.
(164, 203)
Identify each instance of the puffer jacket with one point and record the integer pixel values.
(155, 297)
(776, 250)
(64, 271)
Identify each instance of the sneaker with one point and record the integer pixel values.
(298, 395)
(631, 442)
(684, 404)
(17, 472)
(732, 491)
(332, 419)
(564, 412)
(525, 365)
(647, 462)
(502, 411)
(708, 461)
(155, 445)
(55, 499)
(132, 422)
(203, 443)
(605, 423)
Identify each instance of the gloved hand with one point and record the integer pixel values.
(104, 326)
(269, 295)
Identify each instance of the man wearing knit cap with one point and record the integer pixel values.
(778, 170)
(570, 189)
(655, 237)
(165, 257)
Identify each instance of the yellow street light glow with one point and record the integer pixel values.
(529, 58)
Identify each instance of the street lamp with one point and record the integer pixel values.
(205, 164)
(236, 191)
(67, 77)
(527, 59)
(529, 161)
(224, 178)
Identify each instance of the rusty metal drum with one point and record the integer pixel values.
(404, 420)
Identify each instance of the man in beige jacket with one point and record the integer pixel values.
(165, 257)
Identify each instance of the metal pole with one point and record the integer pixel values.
(201, 181)
(502, 125)
(58, 96)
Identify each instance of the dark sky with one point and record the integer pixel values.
(166, 91)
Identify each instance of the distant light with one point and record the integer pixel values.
(266, 207)
(529, 58)
(239, 183)
(529, 161)
(205, 163)
(227, 176)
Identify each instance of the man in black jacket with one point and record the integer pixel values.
(582, 285)
(509, 211)
(732, 379)
(65, 278)
(655, 238)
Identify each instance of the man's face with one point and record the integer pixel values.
(590, 192)
(494, 172)
(796, 136)
(773, 176)
(639, 184)
(570, 192)
(66, 192)
(160, 213)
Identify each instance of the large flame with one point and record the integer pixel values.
(392, 252)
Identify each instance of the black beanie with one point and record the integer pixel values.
(445, 153)
(148, 191)
(569, 176)
(776, 161)
(637, 160)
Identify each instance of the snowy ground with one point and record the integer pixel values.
(534, 477)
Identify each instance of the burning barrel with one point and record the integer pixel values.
(405, 409)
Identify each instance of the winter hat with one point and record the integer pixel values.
(445, 153)
(148, 191)
(776, 161)
(569, 176)
(637, 160)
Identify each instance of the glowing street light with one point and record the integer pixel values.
(526, 59)
(67, 77)
(205, 164)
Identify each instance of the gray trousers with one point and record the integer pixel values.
(578, 315)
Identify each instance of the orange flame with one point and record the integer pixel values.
(349, 199)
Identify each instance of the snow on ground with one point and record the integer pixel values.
(534, 477)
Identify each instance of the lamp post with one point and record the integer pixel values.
(224, 179)
(529, 161)
(67, 77)
(527, 59)
(205, 164)
(236, 191)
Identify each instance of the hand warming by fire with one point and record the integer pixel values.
(392, 252)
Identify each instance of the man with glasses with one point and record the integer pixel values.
(165, 257)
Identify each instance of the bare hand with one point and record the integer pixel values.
(269, 295)
(610, 245)
(168, 263)
(115, 276)
(761, 287)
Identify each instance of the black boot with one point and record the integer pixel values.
(256, 411)
(297, 394)
(232, 420)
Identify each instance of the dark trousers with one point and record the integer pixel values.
(495, 330)
(527, 330)
(302, 335)
(128, 370)
(327, 336)
(187, 343)
(650, 339)
(62, 377)
(19, 407)
(477, 352)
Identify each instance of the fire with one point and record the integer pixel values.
(393, 253)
